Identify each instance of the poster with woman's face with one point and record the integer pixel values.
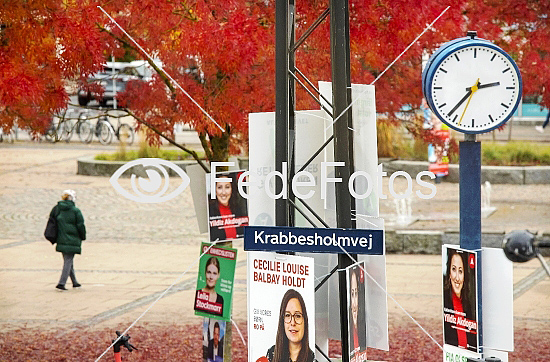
(460, 322)
(215, 281)
(357, 319)
(227, 209)
(213, 332)
(281, 307)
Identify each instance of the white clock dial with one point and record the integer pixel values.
(475, 89)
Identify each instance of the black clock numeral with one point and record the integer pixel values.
(491, 118)
(442, 105)
(505, 70)
(493, 57)
(504, 105)
(457, 58)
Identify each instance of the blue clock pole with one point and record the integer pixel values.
(470, 208)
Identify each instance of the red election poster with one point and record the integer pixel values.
(227, 209)
(281, 307)
(357, 316)
(460, 321)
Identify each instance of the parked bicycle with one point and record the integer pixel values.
(59, 130)
(105, 131)
(81, 127)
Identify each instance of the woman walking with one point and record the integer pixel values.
(70, 233)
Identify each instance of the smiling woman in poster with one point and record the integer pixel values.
(357, 325)
(212, 302)
(292, 341)
(460, 325)
(227, 213)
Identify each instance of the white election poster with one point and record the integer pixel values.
(281, 306)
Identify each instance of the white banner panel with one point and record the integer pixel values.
(377, 300)
(365, 160)
(198, 184)
(365, 149)
(261, 208)
(309, 138)
(261, 134)
(498, 300)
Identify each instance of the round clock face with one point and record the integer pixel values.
(475, 88)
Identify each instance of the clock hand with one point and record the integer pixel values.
(473, 89)
(461, 101)
(484, 85)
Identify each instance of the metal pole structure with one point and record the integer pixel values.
(341, 98)
(470, 208)
(282, 103)
(291, 107)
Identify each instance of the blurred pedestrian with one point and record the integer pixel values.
(541, 128)
(70, 233)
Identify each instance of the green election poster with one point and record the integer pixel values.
(215, 281)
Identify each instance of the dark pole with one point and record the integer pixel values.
(291, 108)
(470, 208)
(341, 98)
(282, 103)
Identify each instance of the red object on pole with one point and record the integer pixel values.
(439, 169)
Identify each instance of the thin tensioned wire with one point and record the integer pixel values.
(389, 66)
(156, 300)
(161, 68)
(239, 331)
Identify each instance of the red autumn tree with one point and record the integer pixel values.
(41, 48)
(222, 54)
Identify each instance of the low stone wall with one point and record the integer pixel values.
(430, 242)
(91, 167)
(519, 175)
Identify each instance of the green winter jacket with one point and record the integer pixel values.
(70, 227)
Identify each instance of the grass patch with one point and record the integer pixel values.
(146, 151)
(515, 154)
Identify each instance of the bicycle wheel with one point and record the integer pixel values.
(104, 132)
(125, 134)
(51, 134)
(84, 129)
(65, 130)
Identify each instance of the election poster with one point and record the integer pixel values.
(213, 333)
(215, 281)
(281, 307)
(357, 319)
(460, 315)
(227, 209)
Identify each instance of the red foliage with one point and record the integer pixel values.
(230, 45)
(184, 343)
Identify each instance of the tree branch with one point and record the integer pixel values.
(171, 141)
(153, 65)
(205, 146)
